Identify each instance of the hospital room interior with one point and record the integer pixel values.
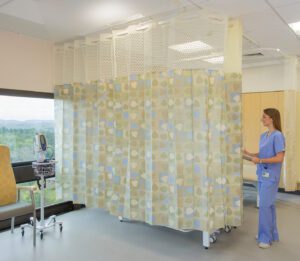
(149, 130)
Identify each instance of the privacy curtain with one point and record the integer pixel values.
(160, 147)
(159, 143)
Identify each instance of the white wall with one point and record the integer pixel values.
(263, 78)
(25, 63)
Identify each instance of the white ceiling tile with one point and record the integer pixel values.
(21, 26)
(278, 3)
(290, 13)
(72, 17)
(270, 32)
(233, 7)
(23, 9)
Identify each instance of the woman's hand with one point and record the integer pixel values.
(246, 152)
(255, 160)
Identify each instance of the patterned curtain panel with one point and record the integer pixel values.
(291, 76)
(163, 148)
(292, 133)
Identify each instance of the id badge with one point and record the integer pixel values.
(266, 175)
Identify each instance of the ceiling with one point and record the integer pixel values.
(267, 35)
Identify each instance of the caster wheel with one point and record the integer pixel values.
(22, 232)
(31, 221)
(227, 229)
(235, 227)
(41, 235)
(213, 239)
(60, 227)
(121, 219)
(206, 248)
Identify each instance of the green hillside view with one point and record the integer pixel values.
(19, 137)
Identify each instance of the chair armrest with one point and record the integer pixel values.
(31, 189)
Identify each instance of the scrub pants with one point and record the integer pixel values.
(267, 227)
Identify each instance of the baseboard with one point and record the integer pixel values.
(297, 192)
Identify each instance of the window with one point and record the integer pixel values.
(50, 193)
(20, 119)
(22, 115)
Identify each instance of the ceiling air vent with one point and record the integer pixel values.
(253, 54)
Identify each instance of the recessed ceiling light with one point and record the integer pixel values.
(202, 57)
(215, 60)
(134, 17)
(109, 12)
(143, 27)
(295, 27)
(122, 34)
(191, 47)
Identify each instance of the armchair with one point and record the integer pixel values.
(10, 204)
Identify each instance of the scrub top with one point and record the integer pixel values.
(269, 146)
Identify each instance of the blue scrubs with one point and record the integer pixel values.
(268, 181)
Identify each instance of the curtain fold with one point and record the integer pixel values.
(290, 177)
(291, 174)
(160, 147)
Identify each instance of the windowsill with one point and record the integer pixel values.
(24, 172)
(21, 164)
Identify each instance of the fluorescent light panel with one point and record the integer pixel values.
(295, 27)
(191, 47)
(215, 60)
(135, 17)
(108, 12)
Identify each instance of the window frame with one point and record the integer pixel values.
(23, 170)
(26, 94)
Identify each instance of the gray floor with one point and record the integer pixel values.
(92, 234)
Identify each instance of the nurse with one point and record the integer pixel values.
(269, 161)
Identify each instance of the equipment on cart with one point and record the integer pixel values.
(43, 170)
(40, 147)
